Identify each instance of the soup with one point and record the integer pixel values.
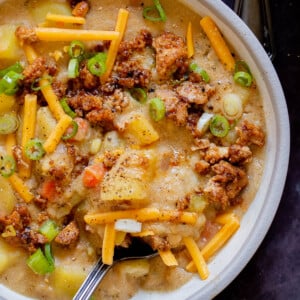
(120, 121)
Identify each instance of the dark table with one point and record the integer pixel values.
(274, 271)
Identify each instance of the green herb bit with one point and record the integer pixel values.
(157, 109)
(9, 123)
(138, 94)
(49, 229)
(219, 126)
(195, 68)
(72, 133)
(97, 64)
(67, 109)
(76, 49)
(73, 68)
(39, 263)
(34, 149)
(242, 74)
(7, 166)
(156, 8)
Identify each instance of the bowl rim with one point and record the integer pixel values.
(280, 156)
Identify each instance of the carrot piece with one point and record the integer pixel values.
(217, 42)
(190, 41)
(93, 175)
(114, 46)
(48, 189)
(108, 244)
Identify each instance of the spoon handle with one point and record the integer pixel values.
(91, 282)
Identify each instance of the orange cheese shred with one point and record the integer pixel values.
(218, 43)
(65, 19)
(114, 46)
(108, 245)
(190, 41)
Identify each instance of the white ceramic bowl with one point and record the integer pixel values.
(234, 256)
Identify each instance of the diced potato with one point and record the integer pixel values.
(8, 256)
(45, 123)
(8, 199)
(40, 9)
(68, 278)
(135, 268)
(9, 46)
(142, 130)
(6, 103)
(112, 141)
(127, 180)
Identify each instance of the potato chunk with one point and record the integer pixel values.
(127, 180)
(9, 46)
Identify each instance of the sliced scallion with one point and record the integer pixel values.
(195, 68)
(67, 109)
(49, 229)
(242, 74)
(157, 109)
(72, 133)
(156, 8)
(7, 166)
(97, 64)
(39, 263)
(73, 68)
(34, 149)
(9, 84)
(76, 49)
(138, 94)
(219, 126)
(17, 67)
(35, 86)
(9, 123)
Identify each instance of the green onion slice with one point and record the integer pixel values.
(67, 109)
(76, 49)
(49, 229)
(39, 263)
(156, 8)
(9, 84)
(34, 149)
(242, 74)
(73, 68)
(219, 126)
(72, 133)
(9, 123)
(195, 68)
(97, 64)
(49, 256)
(157, 109)
(35, 84)
(138, 94)
(17, 67)
(7, 166)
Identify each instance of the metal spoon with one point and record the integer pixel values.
(137, 250)
(256, 14)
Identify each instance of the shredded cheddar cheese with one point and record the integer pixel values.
(20, 187)
(142, 215)
(114, 46)
(65, 35)
(197, 257)
(65, 19)
(55, 137)
(168, 258)
(190, 41)
(217, 42)
(28, 130)
(108, 244)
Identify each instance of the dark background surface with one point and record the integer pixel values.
(274, 271)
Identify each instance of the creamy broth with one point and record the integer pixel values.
(166, 178)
